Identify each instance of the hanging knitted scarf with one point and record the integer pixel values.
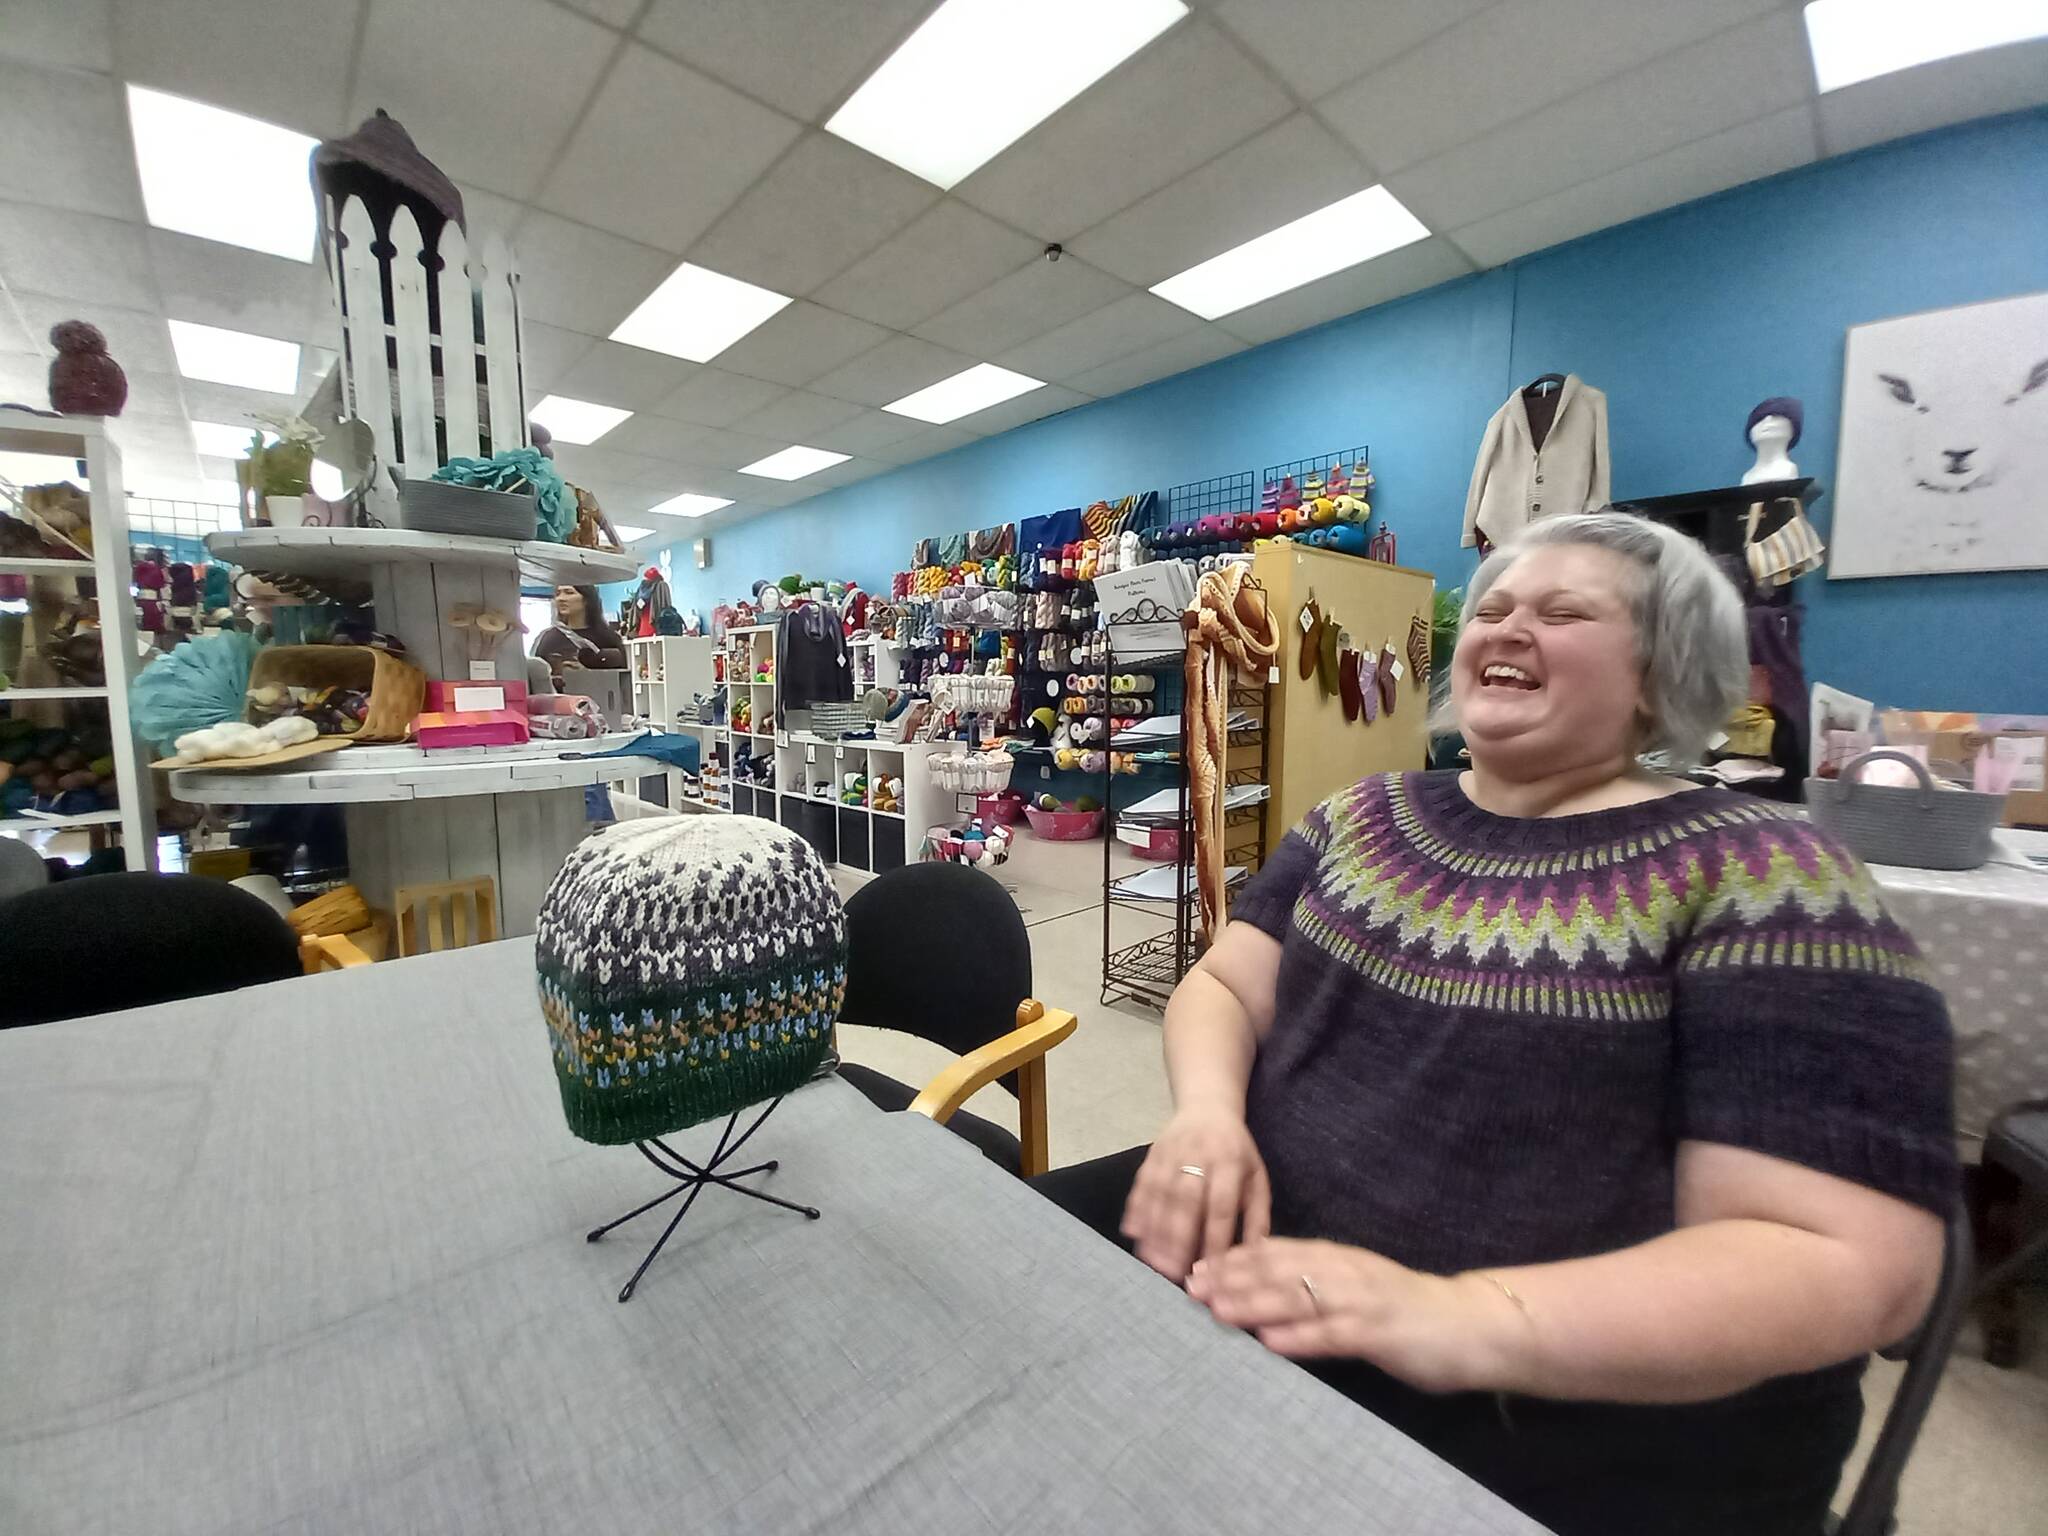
(1231, 633)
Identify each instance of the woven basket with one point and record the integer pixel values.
(398, 689)
(1924, 828)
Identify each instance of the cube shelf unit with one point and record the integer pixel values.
(665, 673)
(66, 439)
(747, 648)
(877, 663)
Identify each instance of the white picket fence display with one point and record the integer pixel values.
(418, 389)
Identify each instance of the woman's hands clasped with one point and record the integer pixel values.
(1202, 1188)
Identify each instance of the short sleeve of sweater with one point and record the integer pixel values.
(1267, 901)
(1806, 1024)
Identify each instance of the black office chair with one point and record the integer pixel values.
(2015, 1166)
(1871, 1510)
(108, 942)
(939, 951)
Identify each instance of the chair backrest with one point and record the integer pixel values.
(452, 914)
(97, 943)
(938, 951)
(1926, 1353)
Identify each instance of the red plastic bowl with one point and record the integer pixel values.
(1000, 810)
(1064, 826)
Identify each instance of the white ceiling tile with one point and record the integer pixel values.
(75, 256)
(867, 434)
(1205, 345)
(1408, 270)
(799, 417)
(722, 448)
(663, 152)
(612, 373)
(1511, 59)
(1032, 406)
(1293, 168)
(67, 141)
(15, 334)
(1182, 101)
(136, 339)
(256, 57)
(1934, 95)
(227, 402)
(242, 290)
(1130, 324)
(156, 394)
(72, 34)
(803, 56)
(24, 379)
(712, 397)
(488, 89)
(891, 371)
(949, 253)
(1735, 77)
(547, 352)
(824, 206)
(1762, 148)
(580, 278)
(926, 444)
(800, 343)
(602, 464)
(1317, 45)
(485, 213)
(658, 437)
(1039, 296)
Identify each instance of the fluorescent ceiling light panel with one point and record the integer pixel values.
(692, 504)
(697, 313)
(222, 176)
(1347, 232)
(235, 357)
(219, 440)
(576, 421)
(794, 463)
(628, 534)
(970, 390)
(1857, 40)
(980, 74)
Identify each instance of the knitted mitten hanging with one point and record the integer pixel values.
(1368, 687)
(1311, 638)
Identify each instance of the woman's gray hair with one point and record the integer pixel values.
(1691, 637)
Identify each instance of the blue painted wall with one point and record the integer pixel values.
(1685, 319)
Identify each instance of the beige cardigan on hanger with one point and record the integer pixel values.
(1515, 484)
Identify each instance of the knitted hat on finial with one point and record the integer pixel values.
(689, 966)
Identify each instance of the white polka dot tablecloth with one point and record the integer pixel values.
(1985, 932)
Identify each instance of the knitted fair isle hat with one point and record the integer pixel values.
(689, 966)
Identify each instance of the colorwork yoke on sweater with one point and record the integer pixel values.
(1491, 1033)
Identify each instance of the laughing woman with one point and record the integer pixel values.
(1590, 1127)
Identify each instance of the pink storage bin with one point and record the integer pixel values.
(471, 728)
(1000, 810)
(1064, 826)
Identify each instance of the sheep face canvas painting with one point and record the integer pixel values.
(1944, 452)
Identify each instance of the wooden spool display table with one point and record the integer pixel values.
(415, 816)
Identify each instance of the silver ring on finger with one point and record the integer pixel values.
(1194, 1172)
(1314, 1300)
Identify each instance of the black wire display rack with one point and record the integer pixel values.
(1316, 466)
(1234, 492)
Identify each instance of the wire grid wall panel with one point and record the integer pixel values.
(1235, 492)
(1319, 465)
(178, 528)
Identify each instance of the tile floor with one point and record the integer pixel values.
(1981, 1468)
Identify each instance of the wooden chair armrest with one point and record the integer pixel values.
(1039, 1029)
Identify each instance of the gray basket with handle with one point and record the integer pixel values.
(1925, 828)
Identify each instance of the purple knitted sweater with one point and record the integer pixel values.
(1491, 1033)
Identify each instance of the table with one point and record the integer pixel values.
(1985, 932)
(310, 1257)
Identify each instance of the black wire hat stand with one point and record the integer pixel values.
(693, 1179)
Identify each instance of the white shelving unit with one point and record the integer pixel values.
(665, 673)
(111, 567)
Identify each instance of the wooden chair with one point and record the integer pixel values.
(470, 908)
(330, 952)
(940, 951)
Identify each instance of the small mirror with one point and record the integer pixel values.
(344, 461)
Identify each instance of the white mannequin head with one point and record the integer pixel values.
(1771, 436)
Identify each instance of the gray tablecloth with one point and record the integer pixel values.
(310, 1258)
(1985, 932)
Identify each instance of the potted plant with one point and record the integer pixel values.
(276, 475)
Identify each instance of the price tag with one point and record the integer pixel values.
(1399, 671)
(1272, 676)
(1307, 622)
(1045, 773)
(483, 671)
(782, 738)
(810, 754)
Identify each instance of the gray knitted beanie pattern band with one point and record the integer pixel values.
(689, 966)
